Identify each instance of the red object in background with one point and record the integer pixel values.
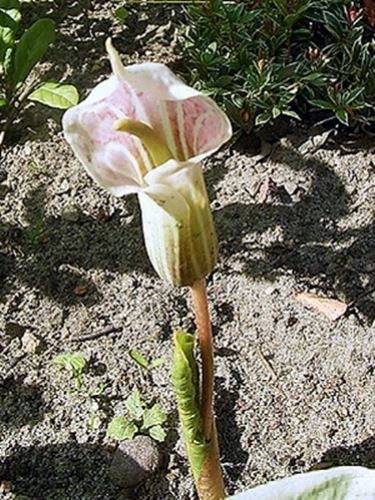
(370, 11)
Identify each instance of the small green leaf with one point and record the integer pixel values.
(139, 359)
(153, 416)
(32, 47)
(121, 428)
(353, 95)
(320, 103)
(212, 47)
(7, 21)
(342, 116)
(158, 433)
(262, 118)
(94, 421)
(157, 362)
(8, 28)
(3, 102)
(281, 6)
(317, 79)
(293, 114)
(97, 391)
(135, 405)
(73, 362)
(121, 14)
(56, 95)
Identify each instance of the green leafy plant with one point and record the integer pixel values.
(310, 59)
(38, 169)
(74, 363)
(144, 362)
(141, 420)
(20, 51)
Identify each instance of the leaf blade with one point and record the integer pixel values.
(186, 386)
(156, 363)
(73, 362)
(55, 95)
(139, 359)
(120, 428)
(31, 48)
(153, 416)
(158, 433)
(135, 405)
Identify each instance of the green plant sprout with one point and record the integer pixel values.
(120, 14)
(75, 364)
(144, 362)
(142, 420)
(20, 51)
(94, 421)
(36, 168)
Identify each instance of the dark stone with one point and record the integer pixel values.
(134, 461)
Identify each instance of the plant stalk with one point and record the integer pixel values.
(203, 322)
(210, 484)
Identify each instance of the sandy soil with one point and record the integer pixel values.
(294, 390)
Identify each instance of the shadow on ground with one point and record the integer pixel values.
(233, 456)
(57, 246)
(311, 235)
(72, 470)
(20, 403)
(313, 245)
(362, 454)
(57, 470)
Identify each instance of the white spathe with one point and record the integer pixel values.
(177, 222)
(191, 124)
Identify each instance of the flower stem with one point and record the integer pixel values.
(202, 318)
(210, 484)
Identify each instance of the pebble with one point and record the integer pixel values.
(134, 461)
(254, 187)
(63, 187)
(30, 343)
(291, 187)
(5, 486)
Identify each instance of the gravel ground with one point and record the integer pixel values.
(294, 390)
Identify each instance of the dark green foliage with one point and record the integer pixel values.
(31, 48)
(20, 51)
(266, 58)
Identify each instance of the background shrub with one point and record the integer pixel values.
(310, 59)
